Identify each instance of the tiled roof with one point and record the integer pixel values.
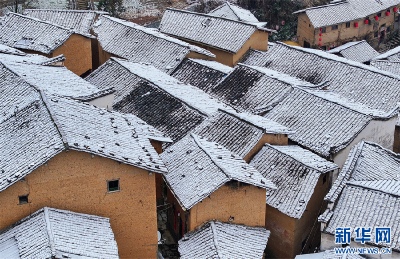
(46, 4)
(52, 79)
(318, 121)
(78, 21)
(201, 73)
(359, 51)
(295, 171)
(345, 11)
(233, 12)
(369, 179)
(220, 33)
(34, 130)
(8, 50)
(28, 33)
(391, 55)
(247, 130)
(376, 89)
(388, 66)
(198, 167)
(224, 240)
(140, 44)
(53, 233)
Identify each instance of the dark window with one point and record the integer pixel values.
(335, 27)
(324, 179)
(309, 25)
(379, 14)
(323, 29)
(388, 10)
(376, 34)
(388, 29)
(347, 24)
(113, 185)
(306, 44)
(23, 199)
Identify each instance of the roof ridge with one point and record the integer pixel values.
(320, 6)
(215, 239)
(42, 21)
(49, 231)
(230, 7)
(360, 185)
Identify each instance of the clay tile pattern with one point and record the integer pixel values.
(376, 89)
(198, 167)
(359, 51)
(23, 32)
(346, 11)
(391, 55)
(78, 21)
(140, 44)
(295, 171)
(318, 122)
(57, 233)
(224, 34)
(8, 50)
(203, 74)
(224, 240)
(233, 12)
(388, 66)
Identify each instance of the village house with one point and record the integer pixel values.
(359, 51)
(342, 21)
(388, 61)
(366, 194)
(227, 39)
(234, 12)
(79, 21)
(203, 74)
(302, 179)
(32, 36)
(206, 181)
(54, 233)
(69, 155)
(119, 38)
(224, 240)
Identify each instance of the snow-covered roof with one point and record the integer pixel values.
(23, 32)
(359, 83)
(391, 55)
(54, 233)
(386, 65)
(36, 127)
(8, 50)
(203, 74)
(369, 178)
(345, 11)
(78, 21)
(140, 44)
(224, 240)
(233, 12)
(35, 69)
(359, 51)
(318, 121)
(198, 167)
(295, 171)
(217, 32)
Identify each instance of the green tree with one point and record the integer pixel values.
(113, 7)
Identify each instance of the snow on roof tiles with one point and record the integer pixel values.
(386, 65)
(224, 240)
(346, 11)
(140, 44)
(295, 171)
(56, 233)
(220, 33)
(29, 33)
(359, 51)
(233, 12)
(78, 21)
(198, 167)
(391, 55)
(8, 50)
(359, 83)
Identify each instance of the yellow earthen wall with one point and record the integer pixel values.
(396, 144)
(75, 181)
(273, 139)
(78, 53)
(305, 30)
(258, 40)
(103, 55)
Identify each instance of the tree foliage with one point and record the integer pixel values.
(113, 7)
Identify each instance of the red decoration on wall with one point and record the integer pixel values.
(395, 9)
(319, 44)
(376, 18)
(320, 34)
(356, 24)
(366, 21)
(320, 29)
(320, 39)
(387, 13)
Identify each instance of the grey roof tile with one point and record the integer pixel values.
(388, 66)
(198, 167)
(8, 50)
(224, 240)
(28, 33)
(225, 34)
(57, 233)
(140, 44)
(233, 12)
(295, 171)
(359, 51)
(391, 55)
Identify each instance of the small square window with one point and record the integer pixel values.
(376, 34)
(335, 27)
(379, 14)
(23, 199)
(347, 24)
(323, 29)
(113, 185)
